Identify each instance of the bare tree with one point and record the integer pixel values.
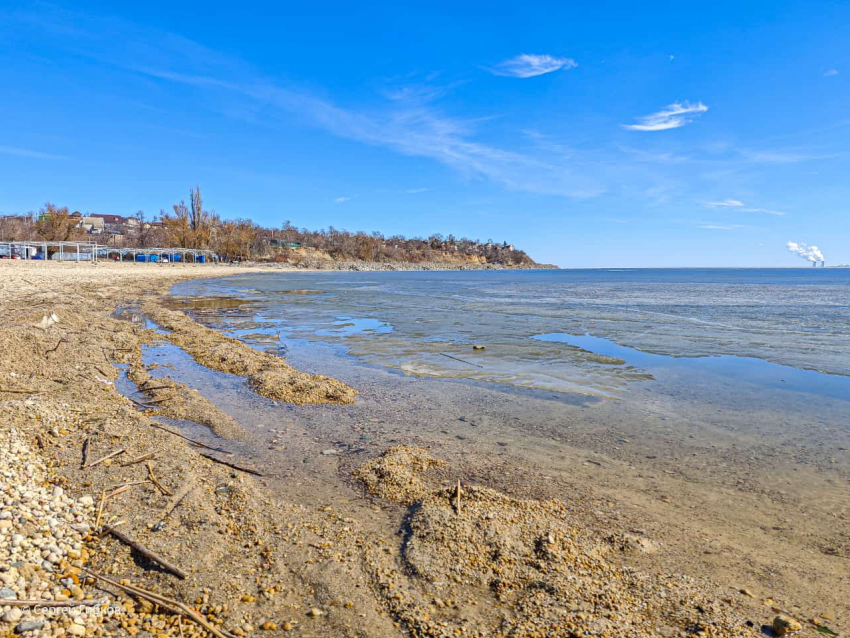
(197, 215)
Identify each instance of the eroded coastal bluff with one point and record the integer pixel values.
(144, 513)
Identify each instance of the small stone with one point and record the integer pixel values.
(287, 626)
(478, 347)
(268, 626)
(29, 625)
(13, 615)
(5, 592)
(87, 501)
(248, 599)
(315, 613)
(237, 632)
(784, 625)
(75, 630)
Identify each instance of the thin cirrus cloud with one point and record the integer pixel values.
(720, 226)
(739, 205)
(675, 115)
(726, 203)
(529, 66)
(27, 153)
(831, 72)
(342, 200)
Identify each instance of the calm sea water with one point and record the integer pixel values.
(587, 331)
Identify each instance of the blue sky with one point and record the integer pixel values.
(614, 134)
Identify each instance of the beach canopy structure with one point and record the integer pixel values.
(52, 250)
(158, 255)
(91, 251)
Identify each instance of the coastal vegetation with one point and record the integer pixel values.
(194, 226)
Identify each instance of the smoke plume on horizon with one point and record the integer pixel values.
(804, 251)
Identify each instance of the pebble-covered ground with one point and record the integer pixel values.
(42, 534)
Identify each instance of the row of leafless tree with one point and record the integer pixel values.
(193, 226)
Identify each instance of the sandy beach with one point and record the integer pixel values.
(409, 536)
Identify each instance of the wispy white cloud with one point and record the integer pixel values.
(831, 72)
(740, 206)
(720, 226)
(416, 191)
(529, 65)
(673, 116)
(415, 92)
(783, 156)
(342, 200)
(28, 153)
(726, 203)
(410, 129)
(409, 121)
(766, 211)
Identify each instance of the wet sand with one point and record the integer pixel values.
(307, 547)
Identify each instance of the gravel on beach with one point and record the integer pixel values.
(42, 542)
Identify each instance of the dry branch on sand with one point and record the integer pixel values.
(144, 551)
(174, 606)
(111, 455)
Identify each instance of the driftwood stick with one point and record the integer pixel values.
(123, 488)
(105, 458)
(148, 388)
(139, 459)
(469, 363)
(144, 406)
(144, 551)
(56, 347)
(158, 401)
(85, 452)
(186, 438)
(131, 484)
(154, 480)
(120, 490)
(55, 603)
(247, 470)
(173, 606)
